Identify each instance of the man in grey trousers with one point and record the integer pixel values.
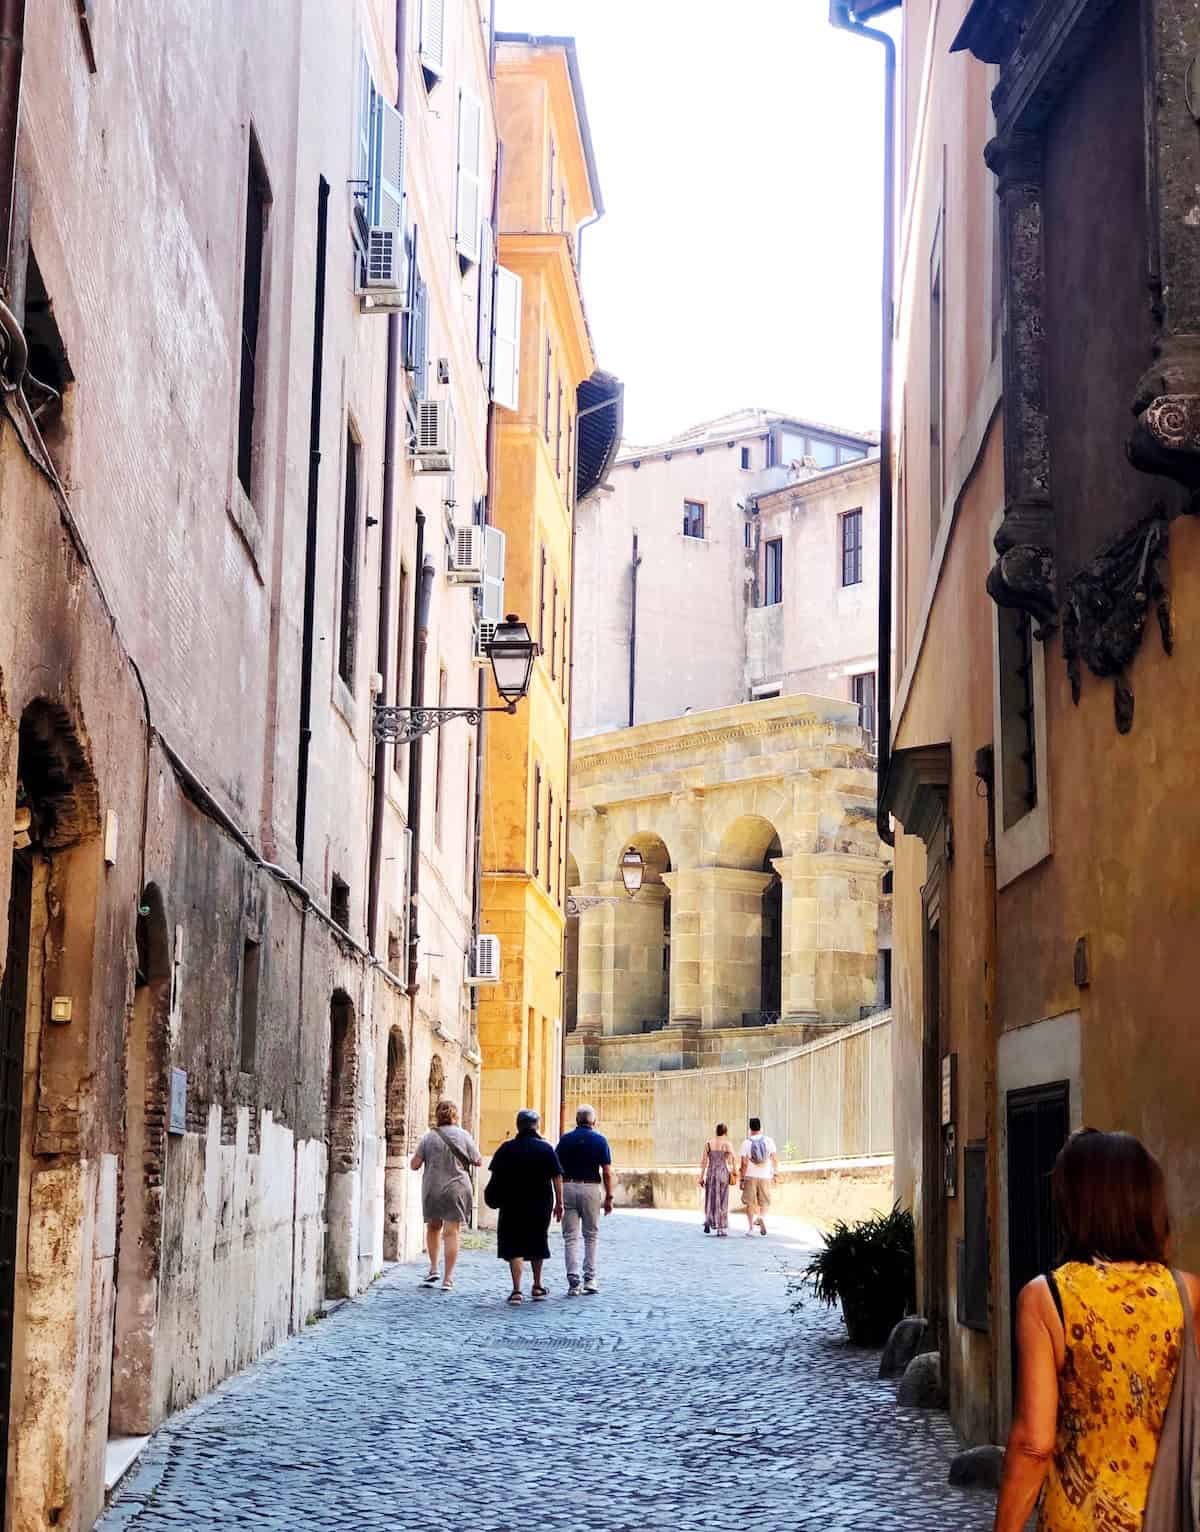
(587, 1186)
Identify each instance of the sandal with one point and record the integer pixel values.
(448, 1286)
(515, 1298)
(430, 1279)
(539, 1293)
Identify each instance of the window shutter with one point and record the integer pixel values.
(470, 154)
(387, 179)
(363, 124)
(506, 345)
(420, 335)
(433, 35)
(493, 575)
(487, 282)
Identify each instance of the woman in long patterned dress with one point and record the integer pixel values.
(1098, 1343)
(716, 1176)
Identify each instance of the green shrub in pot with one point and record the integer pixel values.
(870, 1269)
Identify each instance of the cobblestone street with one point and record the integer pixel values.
(683, 1396)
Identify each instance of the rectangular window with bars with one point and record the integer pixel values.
(693, 518)
(1018, 749)
(852, 547)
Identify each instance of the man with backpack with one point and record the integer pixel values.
(760, 1161)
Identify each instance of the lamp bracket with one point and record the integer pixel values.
(403, 724)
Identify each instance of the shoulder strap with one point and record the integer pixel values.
(454, 1150)
(1052, 1284)
(1185, 1298)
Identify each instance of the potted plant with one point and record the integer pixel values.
(870, 1268)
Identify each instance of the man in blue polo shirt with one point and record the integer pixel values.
(587, 1186)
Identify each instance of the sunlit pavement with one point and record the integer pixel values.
(684, 1395)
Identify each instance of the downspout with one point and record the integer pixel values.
(310, 536)
(636, 561)
(12, 54)
(387, 524)
(420, 650)
(840, 16)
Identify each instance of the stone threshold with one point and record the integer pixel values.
(120, 1454)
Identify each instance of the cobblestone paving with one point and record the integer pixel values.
(683, 1396)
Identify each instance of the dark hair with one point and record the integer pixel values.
(721, 1130)
(1111, 1198)
(755, 1125)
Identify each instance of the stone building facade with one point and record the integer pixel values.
(1045, 470)
(723, 549)
(232, 974)
(756, 924)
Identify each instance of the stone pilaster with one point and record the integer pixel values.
(830, 929)
(716, 944)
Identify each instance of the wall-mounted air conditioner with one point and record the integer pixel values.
(433, 448)
(483, 961)
(466, 556)
(484, 633)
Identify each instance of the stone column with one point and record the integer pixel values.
(620, 958)
(830, 924)
(716, 944)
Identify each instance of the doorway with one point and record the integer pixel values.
(14, 997)
(1038, 1121)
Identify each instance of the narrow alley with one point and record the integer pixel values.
(684, 1395)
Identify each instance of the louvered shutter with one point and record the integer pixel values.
(493, 576)
(363, 124)
(470, 154)
(419, 352)
(487, 282)
(506, 345)
(387, 180)
(433, 35)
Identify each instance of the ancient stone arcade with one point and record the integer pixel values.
(757, 924)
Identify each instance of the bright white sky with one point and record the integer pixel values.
(738, 147)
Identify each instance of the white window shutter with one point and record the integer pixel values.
(493, 575)
(470, 154)
(363, 125)
(433, 36)
(387, 190)
(487, 282)
(506, 346)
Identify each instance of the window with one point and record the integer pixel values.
(570, 459)
(537, 818)
(506, 344)
(748, 534)
(562, 207)
(249, 1014)
(546, 396)
(936, 342)
(773, 572)
(542, 604)
(348, 614)
(1018, 772)
(468, 194)
(562, 664)
(433, 40)
(772, 449)
(549, 840)
(554, 630)
(852, 547)
(258, 198)
(550, 184)
(399, 755)
(416, 322)
(745, 457)
(693, 518)
(439, 760)
(339, 902)
(558, 432)
(562, 853)
(469, 827)
(824, 454)
(862, 690)
(851, 454)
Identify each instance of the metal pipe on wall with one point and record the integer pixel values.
(12, 55)
(417, 699)
(843, 14)
(633, 594)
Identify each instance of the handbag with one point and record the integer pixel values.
(1173, 1501)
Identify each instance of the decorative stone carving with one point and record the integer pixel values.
(1166, 440)
(1106, 606)
(991, 29)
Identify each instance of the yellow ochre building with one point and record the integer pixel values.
(551, 450)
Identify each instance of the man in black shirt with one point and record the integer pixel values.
(587, 1167)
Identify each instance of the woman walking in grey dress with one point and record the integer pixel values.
(716, 1177)
(447, 1154)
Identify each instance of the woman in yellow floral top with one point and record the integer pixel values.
(1097, 1346)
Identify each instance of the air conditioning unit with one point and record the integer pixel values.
(382, 278)
(465, 556)
(483, 962)
(484, 633)
(433, 449)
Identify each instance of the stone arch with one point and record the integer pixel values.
(641, 982)
(136, 1407)
(437, 1086)
(341, 1135)
(655, 855)
(395, 1178)
(746, 842)
(467, 1119)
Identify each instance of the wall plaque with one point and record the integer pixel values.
(177, 1118)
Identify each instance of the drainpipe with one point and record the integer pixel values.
(632, 625)
(387, 524)
(420, 650)
(310, 536)
(12, 52)
(843, 14)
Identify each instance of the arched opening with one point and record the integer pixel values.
(395, 1179)
(571, 954)
(467, 1119)
(134, 1410)
(341, 1137)
(437, 1086)
(751, 918)
(642, 930)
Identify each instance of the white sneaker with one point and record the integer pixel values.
(590, 1287)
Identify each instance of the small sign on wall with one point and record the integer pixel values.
(949, 1089)
(177, 1118)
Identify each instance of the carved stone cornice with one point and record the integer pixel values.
(1106, 607)
(700, 740)
(917, 791)
(991, 29)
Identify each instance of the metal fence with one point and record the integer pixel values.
(829, 1100)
